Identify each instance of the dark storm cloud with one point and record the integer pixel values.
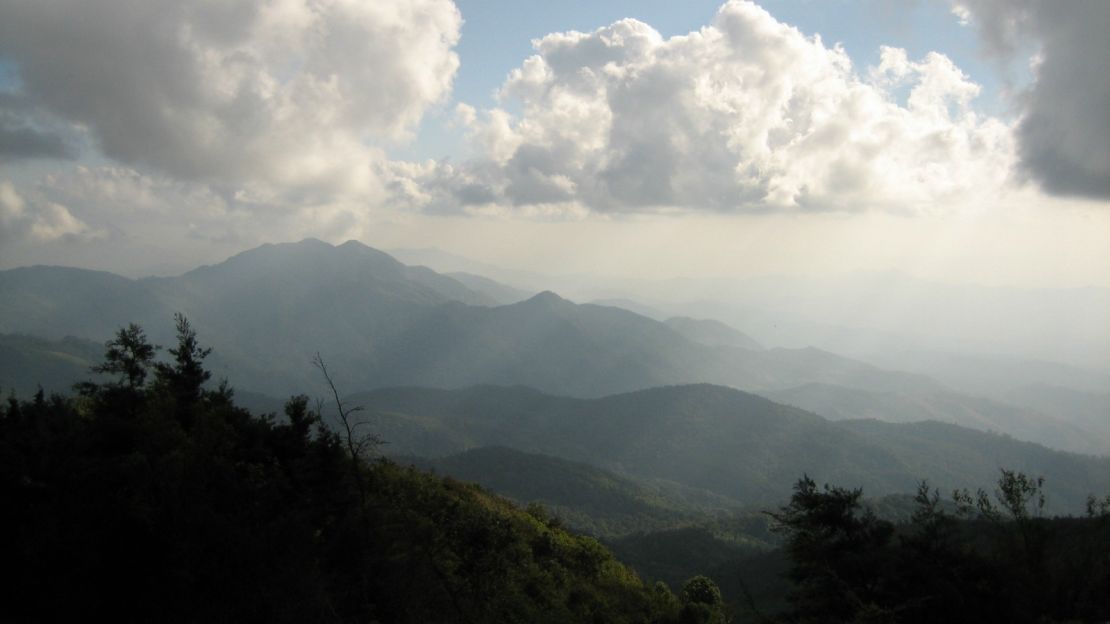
(19, 142)
(1064, 134)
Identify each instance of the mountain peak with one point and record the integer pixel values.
(310, 242)
(354, 264)
(547, 298)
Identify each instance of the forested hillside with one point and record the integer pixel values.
(586, 497)
(152, 497)
(734, 444)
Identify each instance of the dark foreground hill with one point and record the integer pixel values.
(725, 441)
(153, 498)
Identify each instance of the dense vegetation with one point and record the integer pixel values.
(153, 497)
(998, 559)
(587, 498)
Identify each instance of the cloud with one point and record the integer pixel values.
(281, 100)
(1064, 133)
(20, 141)
(156, 207)
(23, 219)
(22, 135)
(744, 115)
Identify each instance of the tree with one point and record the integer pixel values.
(1098, 508)
(359, 446)
(701, 602)
(357, 449)
(701, 589)
(838, 554)
(129, 355)
(1018, 496)
(1018, 520)
(184, 378)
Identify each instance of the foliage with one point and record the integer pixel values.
(996, 561)
(1098, 507)
(160, 500)
(185, 377)
(587, 498)
(701, 602)
(130, 356)
(838, 553)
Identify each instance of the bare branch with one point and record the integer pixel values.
(354, 445)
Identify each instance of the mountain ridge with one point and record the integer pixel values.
(382, 323)
(719, 439)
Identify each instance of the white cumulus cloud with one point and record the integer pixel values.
(280, 100)
(744, 115)
(35, 220)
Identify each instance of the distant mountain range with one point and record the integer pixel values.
(712, 333)
(1064, 419)
(733, 444)
(496, 291)
(380, 323)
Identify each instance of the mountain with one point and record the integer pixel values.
(1090, 410)
(283, 281)
(380, 323)
(496, 291)
(948, 453)
(586, 497)
(555, 345)
(728, 442)
(884, 314)
(269, 309)
(1066, 428)
(448, 263)
(995, 376)
(632, 306)
(54, 302)
(711, 332)
(28, 362)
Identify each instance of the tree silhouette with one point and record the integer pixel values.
(184, 378)
(129, 355)
(838, 554)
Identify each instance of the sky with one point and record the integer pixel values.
(964, 141)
